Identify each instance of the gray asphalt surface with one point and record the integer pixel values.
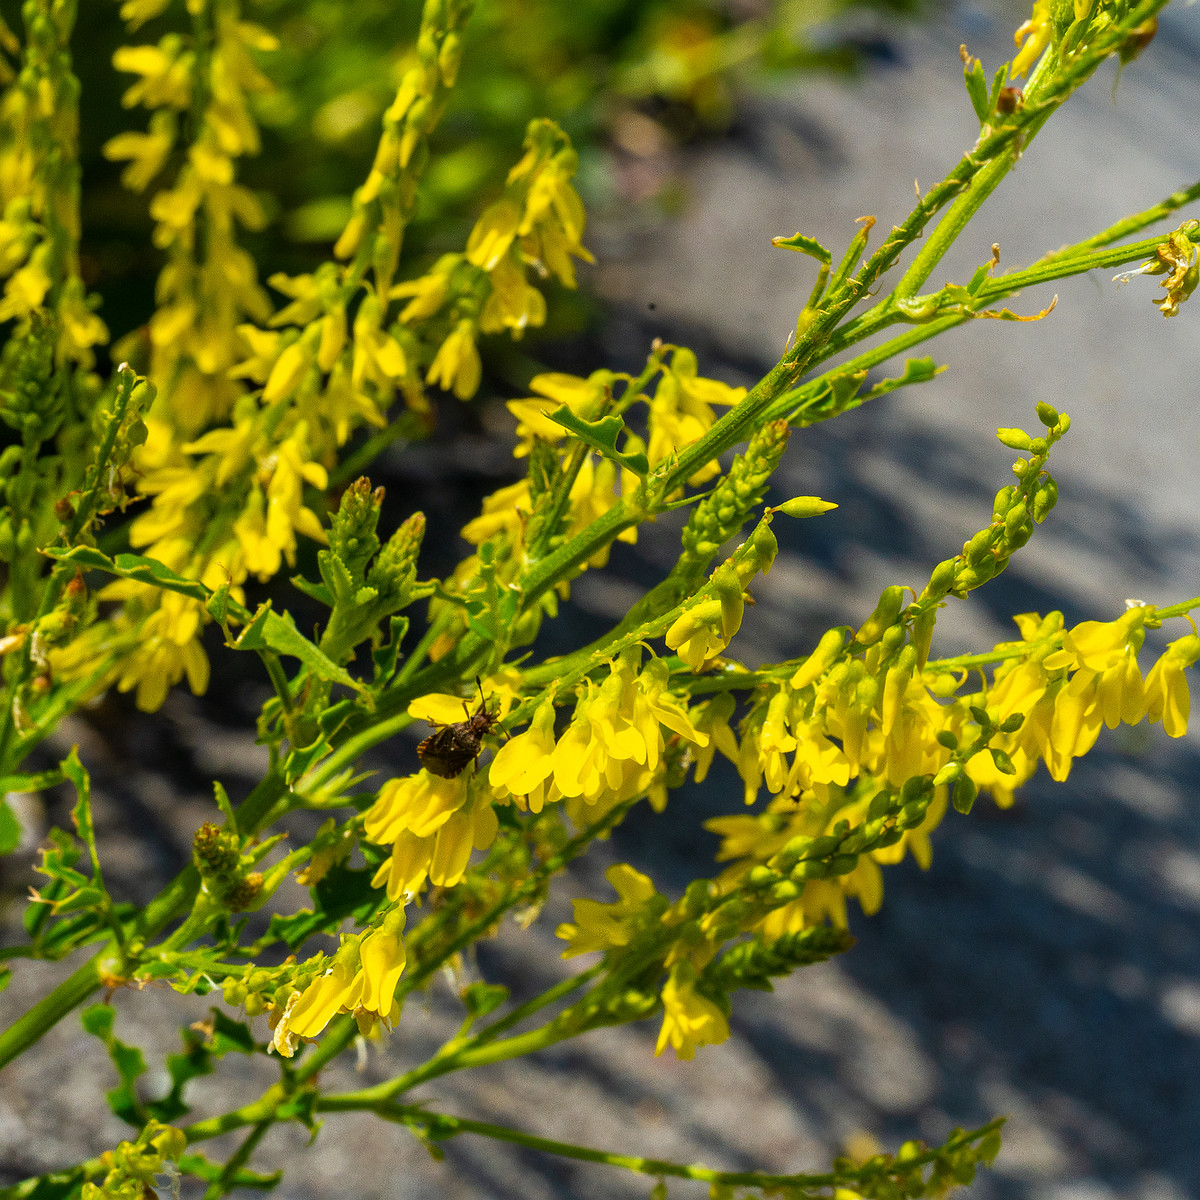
(1048, 965)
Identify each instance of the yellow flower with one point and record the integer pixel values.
(456, 366)
(146, 152)
(383, 960)
(267, 526)
(1167, 698)
(428, 292)
(26, 289)
(696, 634)
(514, 303)
(168, 647)
(404, 872)
(601, 926)
(615, 741)
(472, 827)
(523, 766)
(689, 1019)
(493, 234)
(1075, 725)
(1036, 34)
(417, 804)
(165, 70)
(433, 824)
(337, 989)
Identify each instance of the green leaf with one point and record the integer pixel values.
(916, 370)
(132, 566)
(343, 892)
(277, 631)
(483, 998)
(36, 782)
(98, 1020)
(10, 829)
(220, 603)
(315, 591)
(387, 656)
(199, 1167)
(85, 898)
(194, 1060)
(803, 244)
(998, 81)
(601, 435)
(299, 762)
(229, 1034)
(267, 630)
(977, 88)
(81, 814)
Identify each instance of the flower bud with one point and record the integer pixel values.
(804, 506)
(891, 600)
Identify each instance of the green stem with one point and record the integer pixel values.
(440, 1125)
(226, 1180)
(146, 923)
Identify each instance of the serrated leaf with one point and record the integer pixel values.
(336, 575)
(803, 244)
(193, 1061)
(315, 591)
(977, 89)
(300, 762)
(276, 631)
(98, 1020)
(386, 657)
(601, 435)
(230, 1035)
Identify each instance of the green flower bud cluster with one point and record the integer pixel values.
(1015, 511)
(752, 964)
(217, 855)
(362, 593)
(131, 1168)
(720, 515)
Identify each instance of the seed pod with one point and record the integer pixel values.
(963, 795)
(1044, 499)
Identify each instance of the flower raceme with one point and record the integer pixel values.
(361, 979)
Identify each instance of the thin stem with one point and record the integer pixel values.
(441, 1125)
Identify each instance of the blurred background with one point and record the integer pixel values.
(1047, 966)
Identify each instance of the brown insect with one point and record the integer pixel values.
(451, 748)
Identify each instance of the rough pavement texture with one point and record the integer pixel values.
(1048, 965)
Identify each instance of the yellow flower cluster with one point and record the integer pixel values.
(680, 411)
(209, 283)
(537, 225)
(826, 743)
(690, 1019)
(228, 503)
(361, 979)
(39, 185)
(612, 751)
